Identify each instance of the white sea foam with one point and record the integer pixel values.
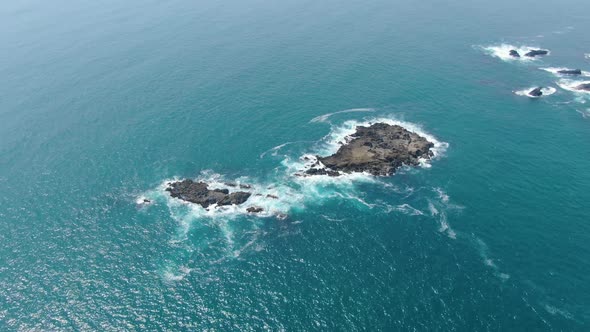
(587, 55)
(571, 85)
(555, 71)
(548, 91)
(172, 274)
(323, 118)
(406, 209)
(484, 254)
(502, 52)
(585, 113)
(557, 311)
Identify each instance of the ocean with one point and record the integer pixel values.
(104, 102)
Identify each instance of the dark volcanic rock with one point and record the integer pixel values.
(584, 87)
(570, 71)
(536, 92)
(322, 171)
(514, 53)
(197, 192)
(254, 209)
(534, 53)
(379, 149)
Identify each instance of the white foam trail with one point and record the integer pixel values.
(175, 276)
(571, 85)
(442, 195)
(587, 55)
(585, 113)
(274, 151)
(445, 227)
(483, 252)
(502, 52)
(556, 311)
(548, 91)
(407, 209)
(555, 71)
(323, 118)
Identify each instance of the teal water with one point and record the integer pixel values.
(102, 102)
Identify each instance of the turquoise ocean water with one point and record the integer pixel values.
(101, 102)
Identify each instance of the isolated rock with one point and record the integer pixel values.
(379, 149)
(198, 192)
(534, 53)
(514, 53)
(583, 87)
(536, 92)
(570, 72)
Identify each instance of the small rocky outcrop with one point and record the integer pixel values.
(536, 92)
(570, 72)
(254, 209)
(514, 53)
(379, 149)
(534, 53)
(198, 192)
(583, 87)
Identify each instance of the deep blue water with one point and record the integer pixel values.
(103, 102)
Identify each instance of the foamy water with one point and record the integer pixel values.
(502, 52)
(548, 91)
(571, 85)
(286, 192)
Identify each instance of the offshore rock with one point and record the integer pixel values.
(514, 53)
(570, 71)
(536, 92)
(379, 149)
(534, 53)
(198, 192)
(583, 87)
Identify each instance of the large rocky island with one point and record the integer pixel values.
(379, 149)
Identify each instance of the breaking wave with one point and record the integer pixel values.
(502, 52)
(548, 91)
(571, 85)
(324, 118)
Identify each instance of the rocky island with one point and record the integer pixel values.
(199, 193)
(379, 149)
